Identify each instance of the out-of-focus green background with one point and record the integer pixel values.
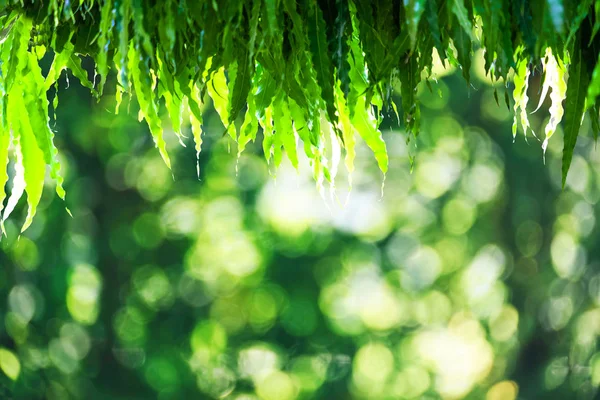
(473, 277)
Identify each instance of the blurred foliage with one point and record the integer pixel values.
(474, 277)
(319, 72)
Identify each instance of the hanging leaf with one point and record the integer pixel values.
(521, 81)
(596, 20)
(363, 118)
(593, 89)
(574, 106)
(107, 22)
(554, 79)
(413, 10)
(434, 26)
(460, 11)
(463, 46)
(166, 29)
(145, 97)
(170, 91)
(249, 126)
(4, 143)
(269, 147)
(240, 86)
(409, 78)
(583, 8)
(14, 51)
(253, 29)
(143, 39)
(284, 130)
(320, 56)
(271, 11)
(219, 93)
(194, 101)
(349, 133)
(122, 27)
(59, 64)
(341, 50)
(74, 65)
(37, 111)
(33, 161)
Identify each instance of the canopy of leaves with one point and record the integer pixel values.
(315, 71)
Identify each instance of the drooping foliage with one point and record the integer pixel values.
(315, 72)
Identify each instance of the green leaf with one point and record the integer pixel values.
(365, 124)
(285, 131)
(249, 126)
(554, 79)
(523, 12)
(341, 50)
(583, 8)
(194, 101)
(107, 22)
(268, 134)
(574, 106)
(143, 39)
(434, 26)
(37, 106)
(348, 132)
(409, 78)
(34, 167)
(145, 96)
(59, 63)
(596, 20)
(320, 57)
(266, 89)
(271, 7)
(414, 10)
(17, 50)
(594, 88)
(4, 143)
(463, 46)
(521, 81)
(301, 129)
(122, 26)
(363, 118)
(74, 65)
(170, 91)
(493, 18)
(166, 28)
(219, 93)
(462, 16)
(30, 167)
(240, 86)
(253, 29)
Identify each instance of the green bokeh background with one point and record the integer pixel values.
(472, 277)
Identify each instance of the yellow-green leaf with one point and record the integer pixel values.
(219, 93)
(9, 364)
(285, 130)
(146, 100)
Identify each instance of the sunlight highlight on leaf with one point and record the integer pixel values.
(554, 80)
(521, 80)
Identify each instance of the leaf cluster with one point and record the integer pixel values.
(315, 72)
